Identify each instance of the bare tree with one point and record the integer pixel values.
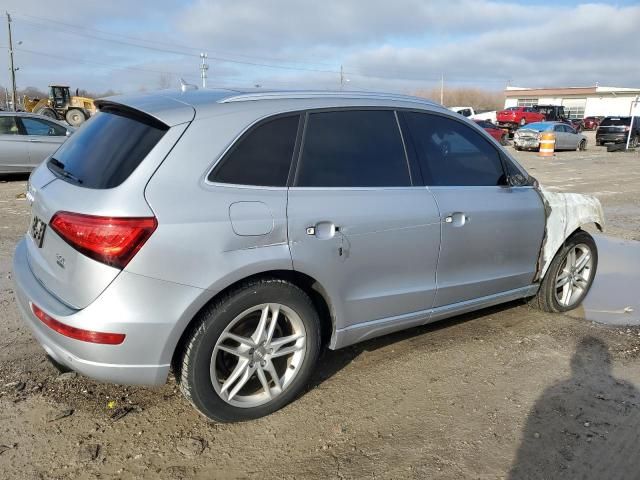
(466, 97)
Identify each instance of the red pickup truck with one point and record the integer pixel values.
(514, 117)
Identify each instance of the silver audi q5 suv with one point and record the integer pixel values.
(233, 235)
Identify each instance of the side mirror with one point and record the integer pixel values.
(517, 180)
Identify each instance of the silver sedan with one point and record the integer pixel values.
(528, 137)
(27, 139)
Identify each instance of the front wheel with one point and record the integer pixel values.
(504, 141)
(570, 275)
(75, 117)
(582, 145)
(634, 142)
(251, 352)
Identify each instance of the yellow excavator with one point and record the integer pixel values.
(61, 105)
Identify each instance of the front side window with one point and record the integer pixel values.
(36, 126)
(353, 148)
(452, 154)
(262, 157)
(8, 126)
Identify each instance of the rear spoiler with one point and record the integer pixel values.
(126, 111)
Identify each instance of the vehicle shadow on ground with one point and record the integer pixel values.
(14, 177)
(586, 427)
(333, 361)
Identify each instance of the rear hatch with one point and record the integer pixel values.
(506, 116)
(91, 183)
(615, 125)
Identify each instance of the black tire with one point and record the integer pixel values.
(582, 146)
(504, 140)
(546, 299)
(75, 117)
(634, 142)
(192, 369)
(47, 112)
(517, 148)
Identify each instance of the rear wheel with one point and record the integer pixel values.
(251, 352)
(504, 140)
(634, 142)
(570, 275)
(75, 117)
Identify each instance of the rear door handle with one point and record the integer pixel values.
(35, 140)
(457, 219)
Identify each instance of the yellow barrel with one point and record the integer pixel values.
(547, 144)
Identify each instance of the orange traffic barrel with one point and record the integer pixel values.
(547, 144)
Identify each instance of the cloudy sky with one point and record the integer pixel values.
(395, 45)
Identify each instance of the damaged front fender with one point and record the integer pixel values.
(565, 212)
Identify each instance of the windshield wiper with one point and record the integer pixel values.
(59, 166)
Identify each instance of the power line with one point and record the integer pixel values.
(47, 22)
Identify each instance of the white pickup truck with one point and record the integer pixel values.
(473, 115)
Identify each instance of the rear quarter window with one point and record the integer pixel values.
(108, 148)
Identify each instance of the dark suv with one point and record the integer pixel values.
(616, 130)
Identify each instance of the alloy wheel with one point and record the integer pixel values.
(258, 355)
(574, 275)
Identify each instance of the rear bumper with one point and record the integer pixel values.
(612, 137)
(151, 313)
(527, 143)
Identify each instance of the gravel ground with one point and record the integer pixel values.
(507, 392)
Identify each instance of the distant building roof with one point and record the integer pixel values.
(562, 91)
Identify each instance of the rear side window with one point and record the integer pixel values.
(353, 149)
(108, 148)
(453, 154)
(36, 126)
(262, 157)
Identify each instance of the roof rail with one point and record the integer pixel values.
(302, 94)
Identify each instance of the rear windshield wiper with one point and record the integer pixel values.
(59, 166)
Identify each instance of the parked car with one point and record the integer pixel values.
(591, 123)
(499, 134)
(234, 235)
(577, 124)
(528, 138)
(514, 117)
(27, 139)
(552, 113)
(616, 130)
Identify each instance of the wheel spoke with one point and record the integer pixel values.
(571, 258)
(274, 321)
(562, 279)
(567, 290)
(287, 350)
(582, 262)
(259, 333)
(240, 368)
(273, 374)
(246, 375)
(263, 380)
(234, 351)
(244, 341)
(280, 342)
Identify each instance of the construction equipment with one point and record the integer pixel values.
(61, 105)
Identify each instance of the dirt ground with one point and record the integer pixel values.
(507, 392)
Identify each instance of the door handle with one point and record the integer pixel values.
(35, 140)
(457, 219)
(323, 230)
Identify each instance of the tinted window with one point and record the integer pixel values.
(616, 121)
(353, 149)
(262, 157)
(8, 126)
(35, 126)
(558, 128)
(108, 147)
(451, 153)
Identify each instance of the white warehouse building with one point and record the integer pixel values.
(578, 102)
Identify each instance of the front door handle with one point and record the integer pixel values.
(457, 219)
(323, 230)
(35, 140)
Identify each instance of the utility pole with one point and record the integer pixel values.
(341, 77)
(14, 94)
(203, 69)
(442, 89)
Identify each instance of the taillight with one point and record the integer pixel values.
(110, 240)
(77, 333)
